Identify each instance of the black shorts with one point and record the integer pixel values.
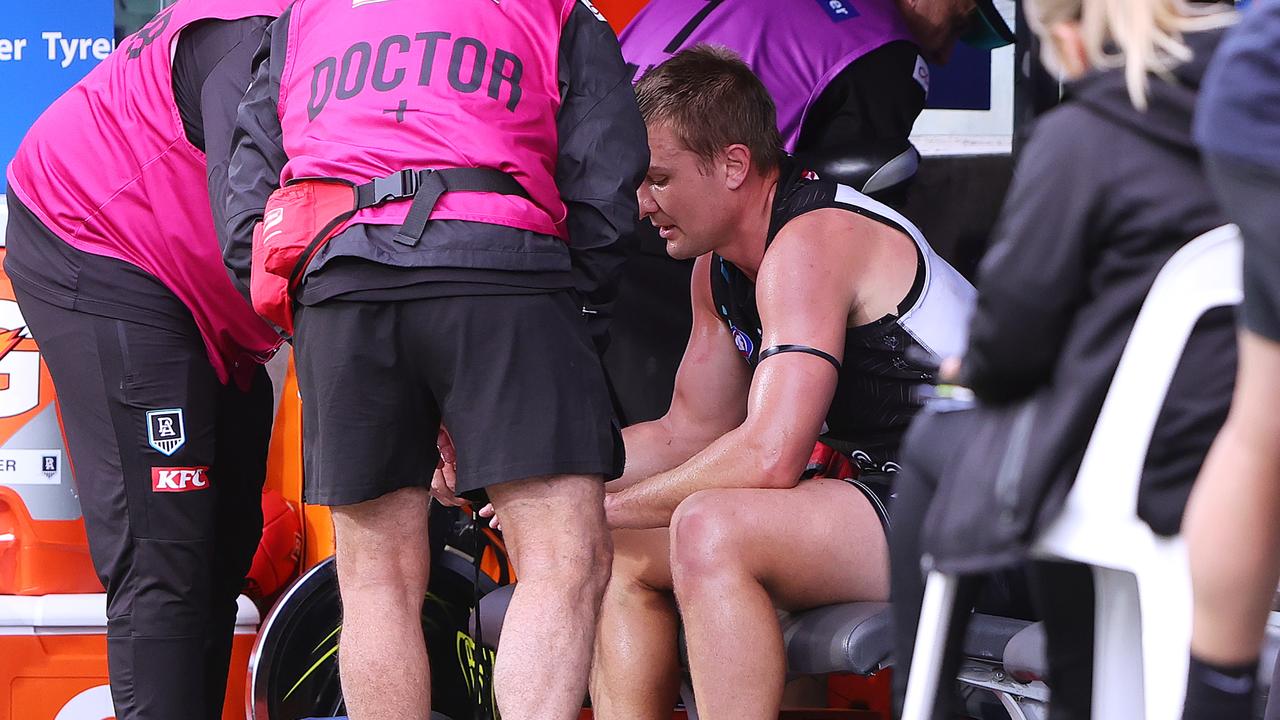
(877, 488)
(515, 379)
(1248, 195)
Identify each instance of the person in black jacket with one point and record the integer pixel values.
(1108, 188)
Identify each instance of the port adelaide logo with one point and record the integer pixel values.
(165, 430)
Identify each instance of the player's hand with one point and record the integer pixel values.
(444, 482)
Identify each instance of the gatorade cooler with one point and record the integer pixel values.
(53, 650)
(53, 658)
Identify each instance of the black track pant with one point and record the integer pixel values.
(169, 464)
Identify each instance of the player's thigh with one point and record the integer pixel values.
(818, 543)
(643, 558)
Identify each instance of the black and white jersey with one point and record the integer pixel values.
(886, 362)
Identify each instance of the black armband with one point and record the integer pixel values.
(779, 349)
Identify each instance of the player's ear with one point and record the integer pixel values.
(737, 165)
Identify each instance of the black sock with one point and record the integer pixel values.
(1220, 692)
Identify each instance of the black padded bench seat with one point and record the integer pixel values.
(846, 638)
(857, 638)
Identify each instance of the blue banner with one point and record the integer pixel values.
(964, 83)
(45, 47)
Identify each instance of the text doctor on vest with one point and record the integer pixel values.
(155, 355)
(469, 296)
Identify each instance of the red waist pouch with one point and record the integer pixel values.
(297, 222)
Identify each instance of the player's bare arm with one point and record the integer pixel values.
(805, 293)
(707, 400)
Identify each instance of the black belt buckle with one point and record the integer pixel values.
(428, 187)
(395, 186)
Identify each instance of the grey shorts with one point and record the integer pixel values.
(1248, 195)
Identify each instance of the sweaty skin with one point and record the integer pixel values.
(706, 508)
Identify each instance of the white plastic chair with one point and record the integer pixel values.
(1143, 583)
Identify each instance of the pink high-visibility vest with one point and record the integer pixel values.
(108, 168)
(372, 87)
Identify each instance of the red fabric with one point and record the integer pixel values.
(296, 217)
(826, 461)
(276, 560)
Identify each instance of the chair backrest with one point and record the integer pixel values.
(1202, 275)
(870, 168)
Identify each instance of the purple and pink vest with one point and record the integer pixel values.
(797, 47)
(108, 169)
(372, 87)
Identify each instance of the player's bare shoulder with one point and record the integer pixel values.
(820, 242)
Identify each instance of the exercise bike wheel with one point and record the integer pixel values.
(293, 667)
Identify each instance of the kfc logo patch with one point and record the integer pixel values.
(179, 479)
(165, 430)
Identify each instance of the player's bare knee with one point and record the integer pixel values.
(705, 539)
(556, 529)
(591, 560)
(632, 559)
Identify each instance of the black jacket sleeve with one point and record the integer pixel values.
(604, 154)
(872, 102)
(212, 66)
(257, 151)
(1035, 275)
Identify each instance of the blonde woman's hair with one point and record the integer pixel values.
(1142, 36)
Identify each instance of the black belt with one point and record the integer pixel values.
(426, 187)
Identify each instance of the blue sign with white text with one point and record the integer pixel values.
(44, 49)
